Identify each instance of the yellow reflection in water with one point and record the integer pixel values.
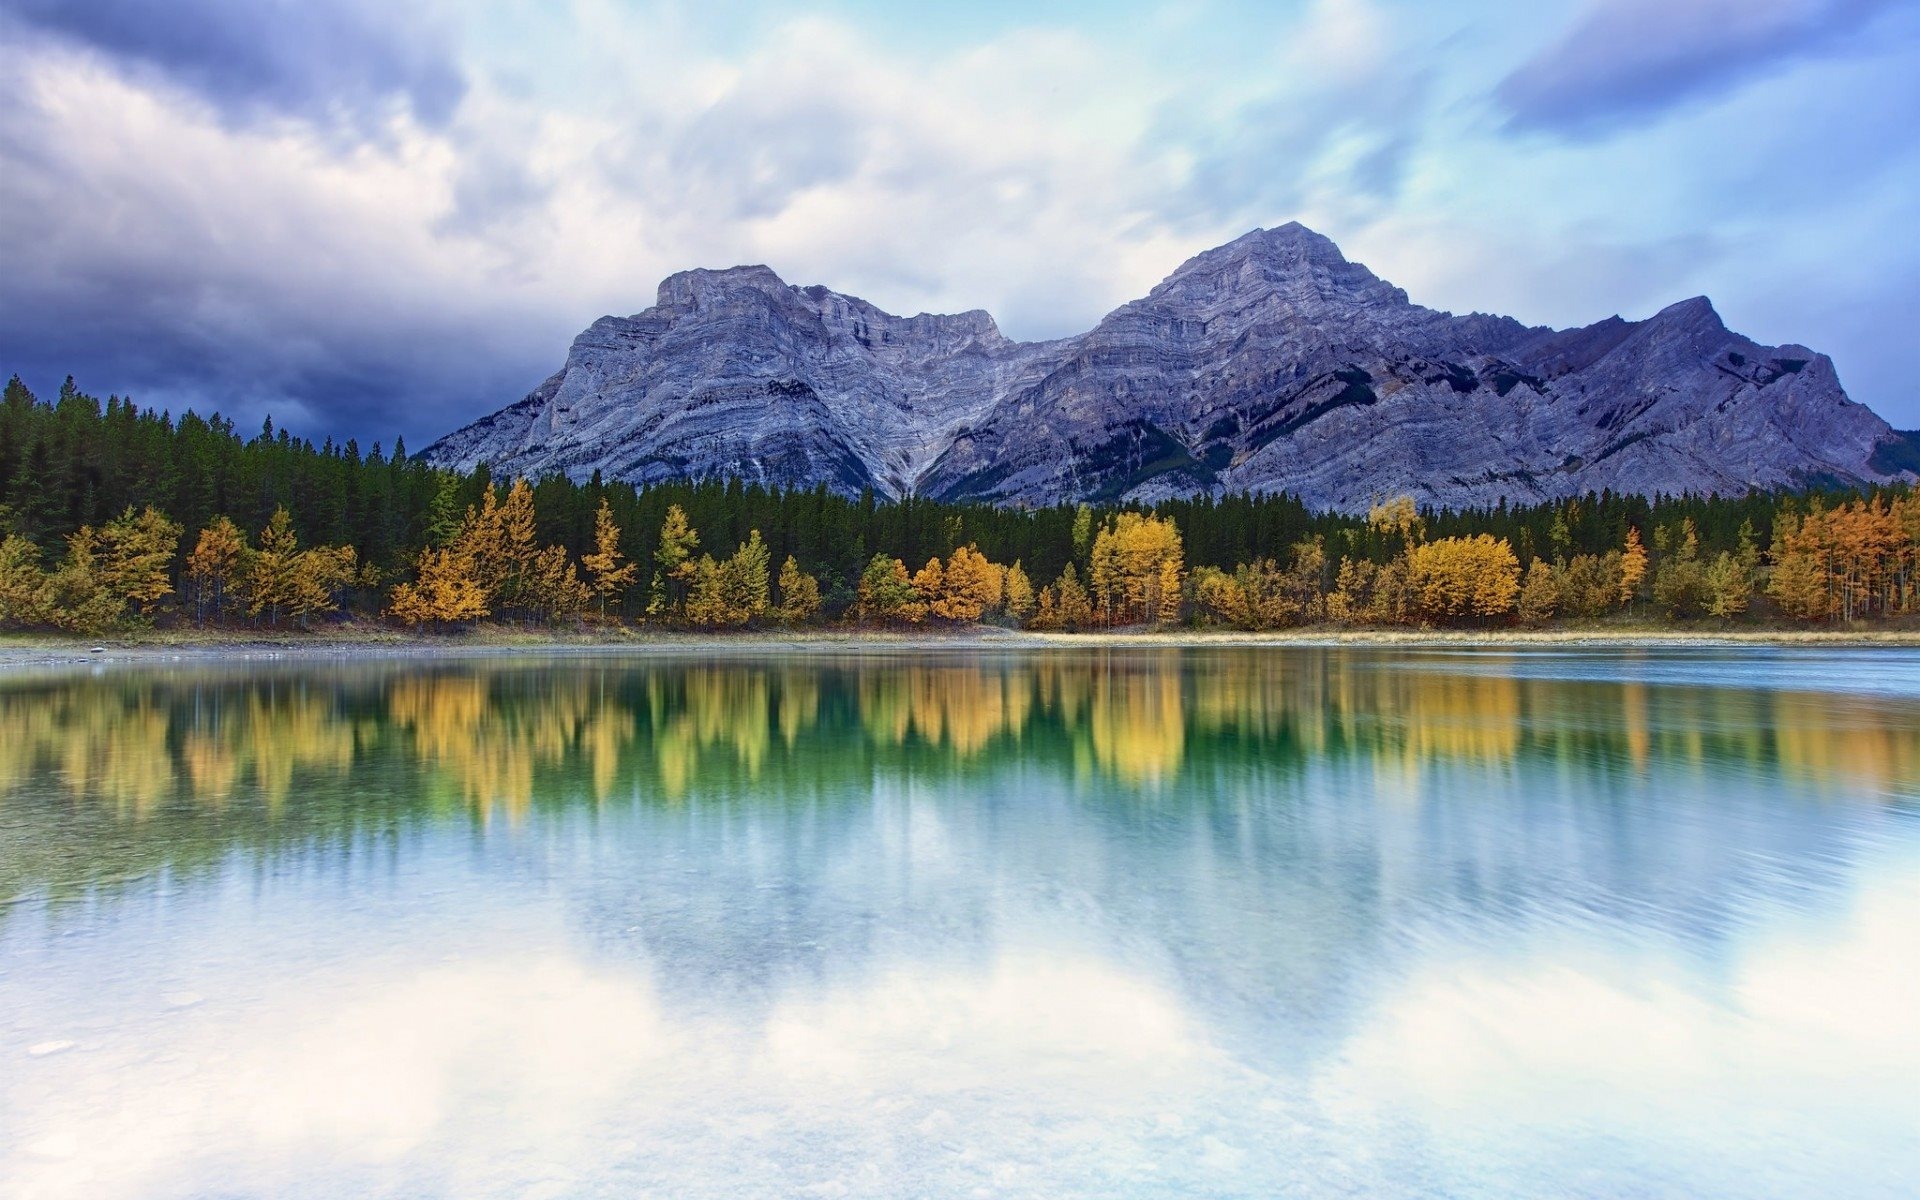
(500, 735)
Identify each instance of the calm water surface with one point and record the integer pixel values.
(1300, 922)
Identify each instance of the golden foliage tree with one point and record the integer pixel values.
(733, 592)
(965, 590)
(1539, 593)
(1461, 577)
(1680, 581)
(1064, 603)
(551, 589)
(23, 582)
(1399, 517)
(674, 566)
(799, 593)
(1017, 593)
(135, 552)
(123, 562)
(1633, 566)
(214, 566)
(611, 576)
(271, 581)
(445, 592)
(280, 579)
(1135, 569)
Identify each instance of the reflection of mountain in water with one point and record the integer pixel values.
(1342, 799)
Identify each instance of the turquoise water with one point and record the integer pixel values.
(1300, 922)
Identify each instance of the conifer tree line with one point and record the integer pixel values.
(111, 515)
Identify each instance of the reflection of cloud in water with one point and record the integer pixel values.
(1034, 1072)
(506, 1076)
(1635, 1062)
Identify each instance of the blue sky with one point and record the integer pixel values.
(370, 219)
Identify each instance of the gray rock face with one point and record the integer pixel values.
(1268, 364)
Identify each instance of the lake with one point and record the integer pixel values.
(1311, 922)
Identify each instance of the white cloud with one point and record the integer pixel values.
(1048, 172)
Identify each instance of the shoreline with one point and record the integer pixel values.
(17, 651)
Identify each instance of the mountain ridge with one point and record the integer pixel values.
(1269, 363)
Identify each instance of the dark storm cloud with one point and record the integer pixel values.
(140, 281)
(356, 368)
(1628, 61)
(327, 60)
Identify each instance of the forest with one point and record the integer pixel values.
(114, 516)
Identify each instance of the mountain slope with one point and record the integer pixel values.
(1271, 363)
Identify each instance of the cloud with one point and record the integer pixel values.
(259, 270)
(401, 230)
(335, 60)
(1628, 61)
(1339, 113)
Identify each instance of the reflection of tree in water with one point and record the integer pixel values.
(105, 777)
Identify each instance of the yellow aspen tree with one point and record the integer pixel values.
(744, 581)
(444, 592)
(674, 566)
(799, 593)
(320, 574)
(74, 596)
(929, 582)
(1633, 566)
(1400, 517)
(272, 577)
(1458, 577)
(553, 589)
(886, 591)
(1539, 593)
(611, 577)
(967, 588)
(1073, 608)
(22, 582)
(1017, 593)
(136, 551)
(518, 547)
(214, 565)
(1166, 600)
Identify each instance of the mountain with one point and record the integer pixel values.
(1268, 364)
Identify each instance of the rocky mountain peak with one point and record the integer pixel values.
(1270, 363)
(1290, 261)
(1695, 314)
(702, 288)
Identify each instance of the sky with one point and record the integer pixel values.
(370, 219)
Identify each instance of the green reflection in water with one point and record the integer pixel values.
(111, 778)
